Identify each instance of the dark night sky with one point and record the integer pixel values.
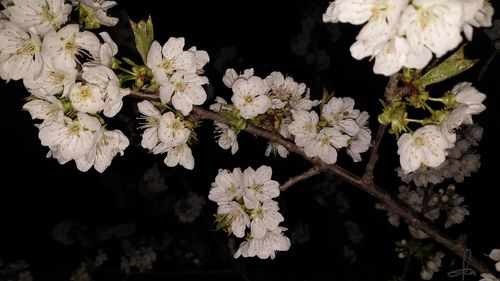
(37, 193)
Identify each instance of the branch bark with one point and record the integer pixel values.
(391, 203)
(304, 176)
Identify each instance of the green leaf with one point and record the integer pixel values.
(453, 65)
(144, 35)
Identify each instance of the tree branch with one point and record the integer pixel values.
(304, 176)
(392, 204)
(367, 177)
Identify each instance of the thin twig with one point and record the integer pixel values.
(304, 176)
(392, 204)
(368, 175)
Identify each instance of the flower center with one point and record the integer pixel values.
(248, 99)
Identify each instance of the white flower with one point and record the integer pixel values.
(355, 12)
(227, 137)
(107, 144)
(100, 8)
(467, 95)
(259, 186)
(250, 96)
(171, 130)
(227, 186)
(86, 97)
(361, 141)
(39, 16)
(265, 216)
(164, 61)
(456, 216)
(495, 255)
(433, 24)
(51, 81)
(431, 266)
(62, 47)
(73, 138)
(180, 154)
(109, 85)
(325, 145)
(303, 126)
(107, 51)
(230, 76)
(452, 121)
(426, 146)
(201, 58)
(477, 13)
(488, 277)
(21, 52)
(45, 108)
(236, 216)
(265, 247)
(340, 113)
(187, 91)
(151, 117)
(275, 147)
(285, 92)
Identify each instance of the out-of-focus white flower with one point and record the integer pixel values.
(488, 277)
(61, 48)
(189, 208)
(456, 216)
(21, 52)
(495, 255)
(250, 96)
(142, 259)
(426, 146)
(432, 266)
(106, 145)
(39, 16)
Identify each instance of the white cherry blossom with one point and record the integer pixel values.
(467, 95)
(361, 141)
(164, 61)
(172, 131)
(45, 107)
(106, 145)
(21, 52)
(39, 16)
(227, 186)
(285, 92)
(340, 113)
(250, 96)
(51, 81)
(265, 247)
(303, 126)
(259, 186)
(180, 155)
(265, 216)
(325, 145)
(86, 97)
(426, 146)
(61, 48)
(99, 8)
(238, 219)
(230, 76)
(151, 121)
(226, 137)
(186, 89)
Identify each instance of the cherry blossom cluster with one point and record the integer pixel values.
(430, 262)
(280, 104)
(428, 145)
(247, 210)
(68, 74)
(407, 33)
(166, 132)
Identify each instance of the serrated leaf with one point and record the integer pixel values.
(454, 65)
(144, 36)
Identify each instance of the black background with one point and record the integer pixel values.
(37, 193)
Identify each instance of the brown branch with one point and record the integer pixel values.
(304, 176)
(392, 204)
(367, 177)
